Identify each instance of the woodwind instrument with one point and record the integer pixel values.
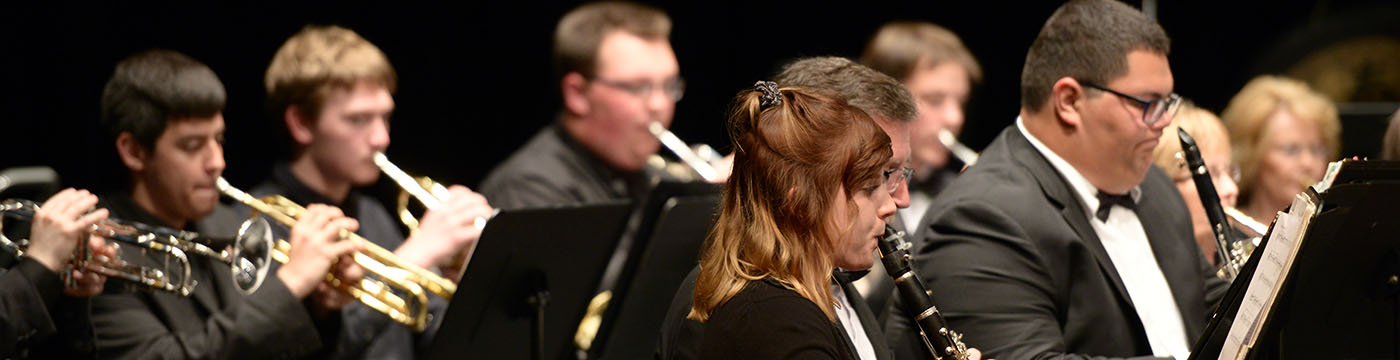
(942, 342)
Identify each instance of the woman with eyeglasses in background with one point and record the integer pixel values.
(1214, 144)
(1283, 134)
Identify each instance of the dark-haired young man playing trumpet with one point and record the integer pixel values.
(163, 110)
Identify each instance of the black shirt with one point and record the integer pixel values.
(215, 320)
(37, 320)
(768, 321)
(366, 333)
(553, 170)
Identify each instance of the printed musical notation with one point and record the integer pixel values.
(1284, 241)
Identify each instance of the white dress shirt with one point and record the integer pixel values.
(1126, 243)
(851, 322)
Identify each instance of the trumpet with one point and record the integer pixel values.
(431, 194)
(395, 277)
(428, 192)
(1255, 228)
(1241, 250)
(698, 161)
(246, 253)
(962, 152)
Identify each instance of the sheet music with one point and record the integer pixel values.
(1272, 270)
(1332, 169)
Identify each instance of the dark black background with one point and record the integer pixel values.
(475, 78)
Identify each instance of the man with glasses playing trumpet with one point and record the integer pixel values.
(333, 92)
(163, 110)
(618, 77)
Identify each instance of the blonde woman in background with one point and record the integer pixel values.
(1214, 143)
(1390, 145)
(1284, 133)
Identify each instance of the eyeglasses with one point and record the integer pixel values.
(674, 88)
(1218, 173)
(1296, 150)
(1152, 110)
(895, 177)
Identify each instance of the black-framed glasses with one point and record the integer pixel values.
(674, 88)
(895, 177)
(1152, 110)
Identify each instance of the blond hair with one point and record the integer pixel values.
(319, 59)
(1247, 119)
(1202, 125)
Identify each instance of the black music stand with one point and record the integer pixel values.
(1341, 299)
(528, 283)
(631, 325)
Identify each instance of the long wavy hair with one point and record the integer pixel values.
(775, 217)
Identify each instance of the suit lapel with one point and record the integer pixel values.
(1057, 189)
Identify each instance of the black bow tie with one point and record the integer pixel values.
(1106, 202)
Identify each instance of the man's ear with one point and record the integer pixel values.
(299, 126)
(572, 87)
(133, 154)
(1067, 101)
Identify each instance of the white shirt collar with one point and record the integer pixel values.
(1081, 185)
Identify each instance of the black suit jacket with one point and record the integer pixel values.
(681, 337)
(1015, 265)
(36, 319)
(215, 322)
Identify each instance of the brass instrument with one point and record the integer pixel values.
(246, 254)
(431, 194)
(1241, 249)
(428, 192)
(396, 279)
(1256, 228)
(962, 152)
(697, 160)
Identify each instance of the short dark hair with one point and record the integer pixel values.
(900, 47)
(151, 88)
(580, 32)
(871, 91)
(1088, 40)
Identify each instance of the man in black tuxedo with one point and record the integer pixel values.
(1063, 241)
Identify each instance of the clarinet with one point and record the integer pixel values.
(894, 253)
(1210, 201)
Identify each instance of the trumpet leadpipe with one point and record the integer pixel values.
(962, 152)
(683, 151)
(430, 196)
(1259, 229)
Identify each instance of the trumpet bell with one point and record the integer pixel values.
(251, 255)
